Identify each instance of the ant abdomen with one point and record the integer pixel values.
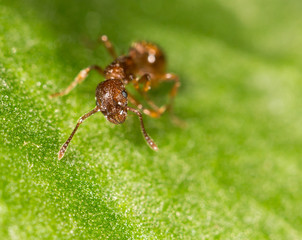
(111, 98)
(148, 58)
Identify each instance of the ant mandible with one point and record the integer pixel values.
(144, 64)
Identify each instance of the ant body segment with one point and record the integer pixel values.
(144, 64)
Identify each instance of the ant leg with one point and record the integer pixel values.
(152, 113)
(79, 78)
(147, 138)
(174, 90)
(172, 94)
(146, 80)
(65, 145)
(108, 46)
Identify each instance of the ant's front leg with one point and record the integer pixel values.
(83, 74)
(146, 81)
(150, 112)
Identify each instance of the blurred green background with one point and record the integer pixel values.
(234, 172)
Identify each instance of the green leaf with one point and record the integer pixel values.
(233, 172)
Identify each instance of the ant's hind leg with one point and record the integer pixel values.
(79, 78)
(108, 46)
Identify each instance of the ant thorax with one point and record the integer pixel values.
(122, 68)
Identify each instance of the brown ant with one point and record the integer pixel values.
(145, 60)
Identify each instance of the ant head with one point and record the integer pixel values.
(111, 98)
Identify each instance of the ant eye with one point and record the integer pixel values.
(124, 93)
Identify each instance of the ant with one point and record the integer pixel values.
(144, 64)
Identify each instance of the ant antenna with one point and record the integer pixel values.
(147, 138)
(65, 145)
